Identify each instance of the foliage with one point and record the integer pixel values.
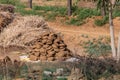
(116, 13)
(80, 14)
(97, 47)
(101, 22)
(62, 79)
(60, 11)
(84, 13)
(74, 21)
(12, 2)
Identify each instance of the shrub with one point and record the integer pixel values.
(83, 13)
(116, 13)
(101, 22)
(61, 11)
(96, 47)
(74, 21)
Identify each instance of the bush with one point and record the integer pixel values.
(74, 21)
(96, 47)
(81, 14)
(101, 22)
(116, 13)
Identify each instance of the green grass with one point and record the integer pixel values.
(81, 14)
(12, 2)
(116, 13)
(101, 22)
(50, 12)
(96, 47)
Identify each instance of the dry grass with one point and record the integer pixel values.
(5, 19)
(22, 30)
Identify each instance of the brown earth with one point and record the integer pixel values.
(73, 34)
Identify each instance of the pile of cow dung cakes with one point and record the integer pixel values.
(49, 47)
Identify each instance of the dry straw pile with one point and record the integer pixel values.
(33, 33)
(23, 30)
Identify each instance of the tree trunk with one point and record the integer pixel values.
(112, 32)
(103, 12)
(30, 4)
(118, 49)
(69, 4)
(103, 9)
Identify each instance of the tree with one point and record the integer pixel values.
(110, 4)
(101, 4)
(114, 52)
(30, 3)
(69, 6)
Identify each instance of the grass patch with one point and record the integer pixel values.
(97, 47)
(12, 2)
(74, 21)
(116, 13)
(60, 11)
(101, 22)
(81, 14)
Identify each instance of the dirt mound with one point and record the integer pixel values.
(7, 8)
(23, 30)
(49, 46)
(5, 19)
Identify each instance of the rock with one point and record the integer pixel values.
(72, 60)
(59, 71)
(48, 73)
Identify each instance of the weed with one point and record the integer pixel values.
(53, 9)
(116, 13)
(96, 47)
(81, 14)
(62, 79)
(101, 22)
(12, 2)
(74, 21)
